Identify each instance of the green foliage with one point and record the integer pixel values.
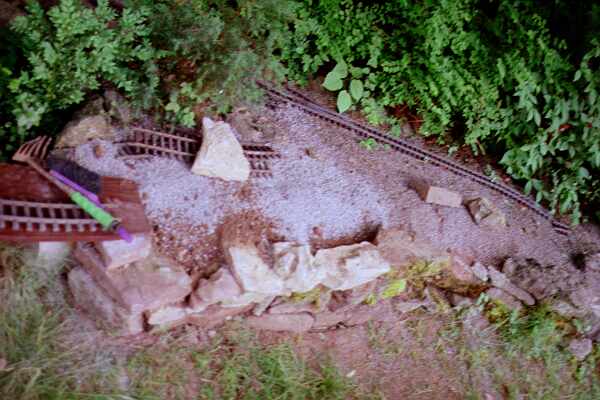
(70, 51)
(497, 72)
(216, 50)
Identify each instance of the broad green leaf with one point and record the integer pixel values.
(577, 75)
(333, 82)
(356, 89)
(341, 69)
(344, 101)
(394, 289)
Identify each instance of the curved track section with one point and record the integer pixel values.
(298, 100)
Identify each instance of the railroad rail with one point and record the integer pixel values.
(45, 217)
(305, 104)
(142, 143)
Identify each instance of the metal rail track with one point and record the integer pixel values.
(142, 143)
(302, 102)
(45, 217)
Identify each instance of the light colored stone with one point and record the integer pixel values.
(51, 255)
(401, 249)
(245, 299)
(261, 307)
(499, 280)
(409, 306)
(580, 348)
(146, 285)
(480, 271)
(252, 272)
(215, 315)
(485, 213)
(505, 298)
(296, 323)
(586, 298)
(346, 267)
(116, 253)
(460, 301)
(565, 309)
(167, 316)
(295, 265)
(90, 297)
(437, 195)
(221, 286)
(220, 155)
(81, 130)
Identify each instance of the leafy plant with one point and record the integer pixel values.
(498, 75)
(70, 50)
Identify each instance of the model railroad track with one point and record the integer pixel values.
(32, 217)
(302, 102)
(142, 143)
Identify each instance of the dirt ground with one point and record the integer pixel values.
(327, 189)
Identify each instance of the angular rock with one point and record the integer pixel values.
(461, 301)
(565, 309)
(116, 253)
(261, 307)
(505, 298)
(409, 306)
(480, 271)
(437, 195)
(220, 155)
(541, 281)
(364, 313)
(92, 299)
(252, 272)
(215, 315)
(84, 129)
(580, 348)
(146, 285)
(168, 316)
(246, 298)
(402, 250)
(221, 286)
(296, 323)
(51, 255)
(295, 265)
(485, 213)
(346, 267)
(499, 280)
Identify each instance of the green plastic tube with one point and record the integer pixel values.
(104, 218)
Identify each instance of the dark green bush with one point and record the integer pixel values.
(492, 71)
(216, 50)
(70, 51)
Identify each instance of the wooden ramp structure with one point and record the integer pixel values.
(33, 210)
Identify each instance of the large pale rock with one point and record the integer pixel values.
(146, 285)
(92, 299)
(221, 286)
(251, 271)
(485, 213)
(587, 298)
(168, 316)
(296, 323)
(220, 155)
(294, 264)
(437, 195)
(500, 280)
(245, 299)
(117, 253)
(85, 129)
(346, 267)
(401, 249)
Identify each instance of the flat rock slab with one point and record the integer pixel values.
(437, 195)
(117, 253)
(296, 323)
(140, 286)
(216, 315)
